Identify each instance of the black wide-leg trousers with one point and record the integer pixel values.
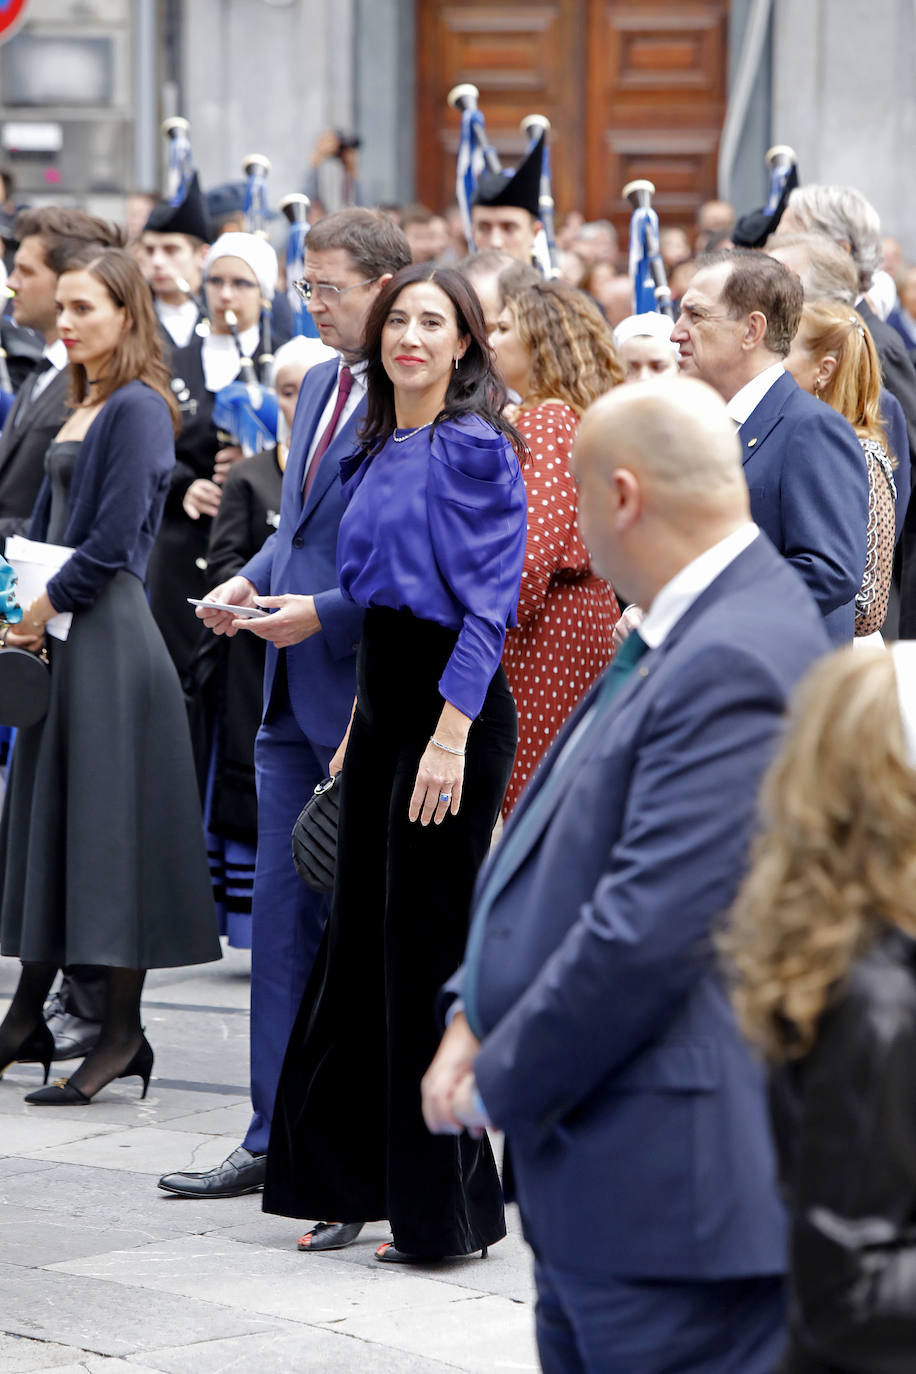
(348, 1140)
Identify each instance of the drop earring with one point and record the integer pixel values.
(456, 364)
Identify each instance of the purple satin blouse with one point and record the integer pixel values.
(437, 526)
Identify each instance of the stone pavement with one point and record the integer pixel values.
(101, 1271)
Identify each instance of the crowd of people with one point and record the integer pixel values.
(534, 579)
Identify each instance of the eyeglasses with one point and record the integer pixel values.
(325, 291)
(236, 283)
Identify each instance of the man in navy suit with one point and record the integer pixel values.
(593, 1025)
(804, 466)
(310, 672)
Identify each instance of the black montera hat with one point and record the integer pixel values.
(188, 217)
(520, 188)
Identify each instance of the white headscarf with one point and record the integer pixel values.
(254, 251)
(653, 324)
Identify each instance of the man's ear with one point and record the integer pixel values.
(756, 329)
(625, 498)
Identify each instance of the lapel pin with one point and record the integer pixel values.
(751, 443)
(644, 672)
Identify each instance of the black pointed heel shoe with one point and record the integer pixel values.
(36, 1048)
(330, 1235)
(389, 1254)
(64, 1093)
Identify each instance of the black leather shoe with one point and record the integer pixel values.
(241, 1173)
(73, 1037)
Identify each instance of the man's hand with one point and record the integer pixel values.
(238, 591)
(454, 1063)
(466, 1106)
(224, 460)
(295, 620)
(201, 498)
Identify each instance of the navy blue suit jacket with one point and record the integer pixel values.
(808, 481)
(301, 557)
(635, 1115)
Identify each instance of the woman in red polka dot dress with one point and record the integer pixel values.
(555, 349)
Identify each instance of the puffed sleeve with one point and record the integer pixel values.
(477, 525)
(132, 456)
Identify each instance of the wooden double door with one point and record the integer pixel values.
(632, 88)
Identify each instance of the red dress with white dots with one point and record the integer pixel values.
(566, 614)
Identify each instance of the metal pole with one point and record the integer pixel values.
(146, 123)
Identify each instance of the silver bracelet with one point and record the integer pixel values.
(447, 748)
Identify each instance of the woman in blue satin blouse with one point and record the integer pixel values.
(432, 544)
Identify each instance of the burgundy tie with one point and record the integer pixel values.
(343, 391)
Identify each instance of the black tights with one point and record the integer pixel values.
(120, 1037)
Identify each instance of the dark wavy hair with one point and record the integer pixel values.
(474, 386)
(138, 354)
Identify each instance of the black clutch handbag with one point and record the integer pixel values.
(315, 836)
(25, 686)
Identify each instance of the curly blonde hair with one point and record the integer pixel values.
(835, 859)
(573, 358)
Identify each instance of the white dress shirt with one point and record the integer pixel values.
(178, 320)
(752, 393)
(678, 595)
(219, 356)
(56, 354)
(357, 392)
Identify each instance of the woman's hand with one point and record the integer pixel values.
(23, 639)
(440, 777)
(437, 789)
(201, 498)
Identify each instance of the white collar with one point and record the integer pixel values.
(752, 393)
(678, 595)
(56, 354)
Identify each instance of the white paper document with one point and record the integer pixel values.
(35, 565)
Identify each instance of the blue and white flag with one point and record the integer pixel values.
(303, 322)
(644, 297)
(471, 164)
(180, 169)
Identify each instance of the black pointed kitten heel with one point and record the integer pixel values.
(36, 1048)
(64, 1093)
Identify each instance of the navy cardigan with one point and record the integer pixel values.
(117, 492)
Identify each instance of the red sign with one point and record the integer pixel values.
(11, 12)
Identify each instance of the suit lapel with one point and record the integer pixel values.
(765, 416)
(40, 410)
(341, 446)
(305, 420)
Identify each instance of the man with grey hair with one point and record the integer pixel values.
(852, 222)
(827, 273)
(592, 1023)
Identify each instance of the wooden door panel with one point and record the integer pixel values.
(524, 59)
(633, 88)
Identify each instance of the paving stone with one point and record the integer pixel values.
(278, 1283)
(143, 1150)
(19, 1355)
(286, 1352)
(106, 1197)
(477, 1333)
(109, 1318)
(50, 1128)
(35, 1239)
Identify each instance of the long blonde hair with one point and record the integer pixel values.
(836, 857)
(855, 387)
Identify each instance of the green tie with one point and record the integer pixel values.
(521, 836)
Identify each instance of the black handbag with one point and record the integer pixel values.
(25, 686)
(315, 836)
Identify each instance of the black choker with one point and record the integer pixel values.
(94, 381)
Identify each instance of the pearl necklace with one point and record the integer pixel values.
(402, 438)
